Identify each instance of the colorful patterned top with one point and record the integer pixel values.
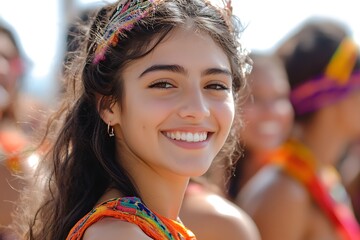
(299, 162)
(132, 210)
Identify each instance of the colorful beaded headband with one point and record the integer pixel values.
(338, 80)
(128, 12)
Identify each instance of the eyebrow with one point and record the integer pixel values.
(179, 69)
(215, 71)
(170, 68)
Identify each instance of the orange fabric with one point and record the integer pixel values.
(299, 162)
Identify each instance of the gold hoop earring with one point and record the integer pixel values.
(110, 130)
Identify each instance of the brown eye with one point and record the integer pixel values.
(217, 86)
(162, 84)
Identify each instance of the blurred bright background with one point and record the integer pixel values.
(41, 27)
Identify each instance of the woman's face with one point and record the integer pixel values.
(268, 114)
(177, 107)
(10, 70)
(348, 115)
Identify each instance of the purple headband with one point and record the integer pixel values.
(335, 83)
(320, 92)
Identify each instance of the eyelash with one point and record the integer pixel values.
(161, 84)
(217, 86)
(166, 85)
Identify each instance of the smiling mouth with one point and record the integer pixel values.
(187, 136)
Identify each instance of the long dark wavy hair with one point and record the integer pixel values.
(81, 165)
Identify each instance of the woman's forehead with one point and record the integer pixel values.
(187, 48)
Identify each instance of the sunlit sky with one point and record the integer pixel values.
(268, 22)
(40, 26)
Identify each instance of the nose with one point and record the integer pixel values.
(194, 105)
(4, 66)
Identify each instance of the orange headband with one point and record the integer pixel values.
(342, 62)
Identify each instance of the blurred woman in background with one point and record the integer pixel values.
(268, 118)
(300, 195)
(12, 138)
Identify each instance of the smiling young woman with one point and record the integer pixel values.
(151, 102)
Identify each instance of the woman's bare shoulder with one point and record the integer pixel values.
(114, 229)
(271, 183)
(273, 200)
(211, 216)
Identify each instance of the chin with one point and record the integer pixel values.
(195, 171)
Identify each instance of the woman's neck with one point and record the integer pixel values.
(162, 194)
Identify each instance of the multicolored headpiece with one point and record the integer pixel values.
(224, 5)
(127, 14)
(125, 17)
(336, 82)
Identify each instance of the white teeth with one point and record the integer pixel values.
(196, 137)
(178, 136)
(183, 136)
(187, 136)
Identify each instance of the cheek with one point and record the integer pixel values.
(229, 111)
(286, 116)
(148, 109)
(224, 113)
(284, 108)
(349, 114)
(136, 117)
(252, 117)
(251, 114)
(354, 111)
(252, 121)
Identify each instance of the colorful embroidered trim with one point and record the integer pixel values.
(336, 82)
(299, 162)
(131, 209)
(128, 12)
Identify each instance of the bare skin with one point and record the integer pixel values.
(9, 194)
(281, 207)
(212, 217)
(111, 229)
(10, 182)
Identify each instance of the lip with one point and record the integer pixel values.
(190, 145)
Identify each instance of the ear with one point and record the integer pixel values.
(108, 109)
